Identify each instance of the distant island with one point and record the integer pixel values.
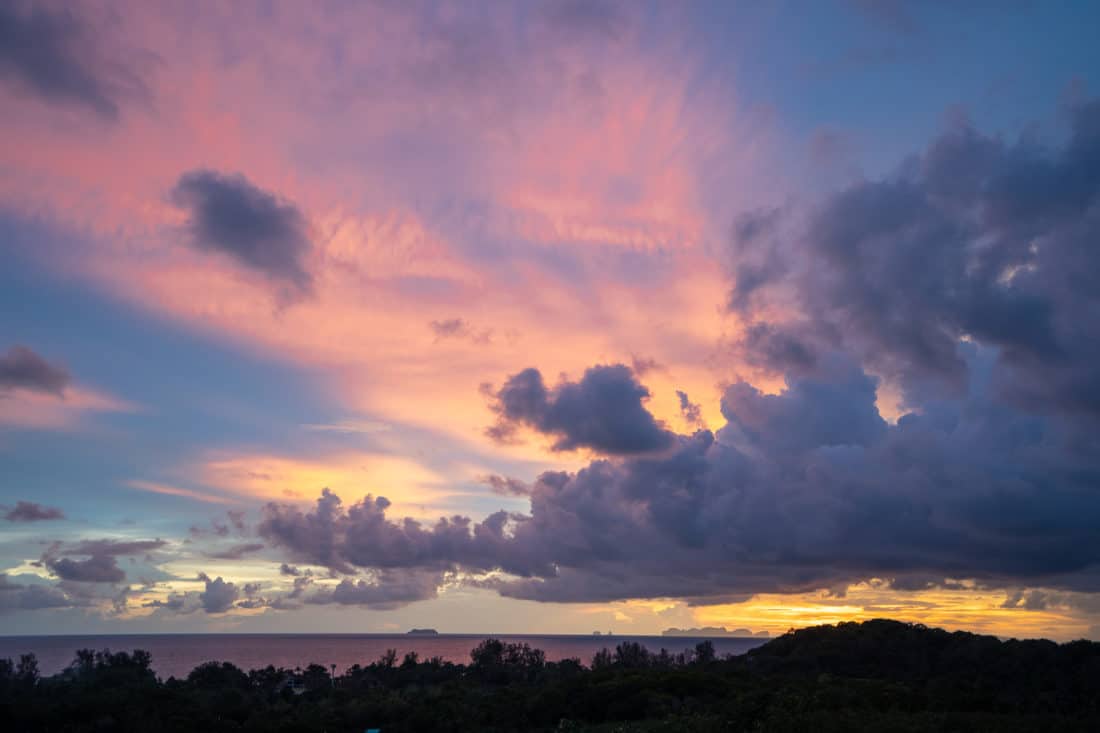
(422, 632)
(713, 631)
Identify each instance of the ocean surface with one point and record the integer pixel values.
(174, 655)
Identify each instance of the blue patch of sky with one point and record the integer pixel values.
(889, 80)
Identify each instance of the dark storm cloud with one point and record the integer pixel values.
(96, 569)
(28, 511)
(778, 348)
(21, 368)
(837, 410)
(50, 52)
(604, 411)
(974, 238)
(219, 595)
(230, 215)
(757, 261)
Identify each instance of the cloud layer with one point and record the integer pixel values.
(806, 489)
(967, 280)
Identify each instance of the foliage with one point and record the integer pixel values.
(874, 676)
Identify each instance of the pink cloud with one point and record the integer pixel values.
(569, 188)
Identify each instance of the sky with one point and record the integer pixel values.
(549, 317)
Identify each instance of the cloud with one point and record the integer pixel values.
(28, 511)
(236, 552)
(362, 536)
(459, 328)
(21, 368)
(642, 365)
(388, 591)
(19, 597)
(96, 569)
(974, 239)
(505, 485)
(1032, 601)
(50, 53)
(219, 595)
(101, 563)
(230, 215)
(692, 412)
(114, 547)
(175, 602)
(604, 411)
(778, 348)
(835, 409)
(158, 488)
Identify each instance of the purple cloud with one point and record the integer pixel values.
(603, 411)
(28, 511)
(51, 53)
(21, 368)
(230, 215)
(95, 569)
(219, 596)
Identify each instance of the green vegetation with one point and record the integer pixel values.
(875, 676)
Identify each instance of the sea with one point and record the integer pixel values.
(175, 655)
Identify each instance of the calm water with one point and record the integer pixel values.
(177, 654)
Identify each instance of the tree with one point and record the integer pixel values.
(602, 659)
(704, 652)
(632, 655)
(488, 653)
(26, 672)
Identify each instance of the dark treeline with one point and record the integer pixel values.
(874, 676)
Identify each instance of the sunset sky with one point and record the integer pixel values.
(549, 316)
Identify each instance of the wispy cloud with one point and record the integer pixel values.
(167, 490)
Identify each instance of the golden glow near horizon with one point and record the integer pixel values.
(972, 609)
